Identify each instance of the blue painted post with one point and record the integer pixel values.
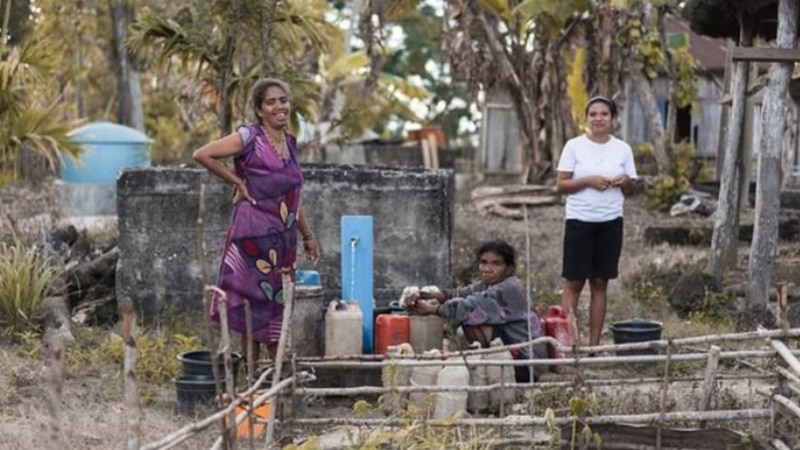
(357, 279)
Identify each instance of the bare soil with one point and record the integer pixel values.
(93, 407)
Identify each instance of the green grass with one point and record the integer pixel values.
(25, 276)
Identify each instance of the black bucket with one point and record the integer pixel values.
(635, 331)
(195, 390)
(199, 363)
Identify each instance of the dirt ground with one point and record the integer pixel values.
(93, 406)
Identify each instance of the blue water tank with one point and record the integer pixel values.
(107, 148)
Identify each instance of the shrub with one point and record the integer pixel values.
(25, 275)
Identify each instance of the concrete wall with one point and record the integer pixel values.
(159, 269)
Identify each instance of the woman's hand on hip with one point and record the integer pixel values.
(240, 193)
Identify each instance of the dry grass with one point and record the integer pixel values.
(93, 396)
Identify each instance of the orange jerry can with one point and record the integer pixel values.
(390, 329)
(556, 325)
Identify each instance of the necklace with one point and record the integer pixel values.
(283, 150)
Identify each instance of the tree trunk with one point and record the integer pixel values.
(647, 100)
(129, 91)
(225, 101)
(724, 240)
(764, 246)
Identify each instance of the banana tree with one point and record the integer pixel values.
(517, 47)
(364, 108)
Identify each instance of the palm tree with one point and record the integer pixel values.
(30, 121)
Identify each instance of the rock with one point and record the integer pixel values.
(751, 318)
(689, 292)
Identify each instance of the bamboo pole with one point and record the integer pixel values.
(664, 391)
(791, 377)
(787, 355)
(225, 349)
(674, 416)
(55, 388)
(410, 362)
(132, 407)
(379, 390)
(712, 339)
(181, 435)
(248, 314)
(709, 381)
(288, 300)
(788, 404)
(780, 445)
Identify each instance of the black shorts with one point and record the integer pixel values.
(591, 249)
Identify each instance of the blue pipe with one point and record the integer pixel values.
(357, 269)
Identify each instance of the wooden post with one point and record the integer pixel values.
(765, 234)
(724, 111)
(288, 301)
(132, 407)
(726, 237)
(709, 381)
(55, 388)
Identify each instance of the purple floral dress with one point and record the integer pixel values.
(262, 238)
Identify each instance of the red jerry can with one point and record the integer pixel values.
(556, 325)
(390, 330)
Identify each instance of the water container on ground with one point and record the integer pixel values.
(107, 149)
(477, 401)
(308, 300)
(498, 375)
(343, 329)
(634, 331)
(449, 404)
(390, 330)
(426, 333)
(394, 375)
(556, 325)
(424, 376)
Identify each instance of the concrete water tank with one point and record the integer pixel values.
(90, 185)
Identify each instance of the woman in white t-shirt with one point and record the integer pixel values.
(596, 172)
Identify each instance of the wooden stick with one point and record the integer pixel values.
(664, 390)
(377, 390)
(132, 406)
(692, 341)
(780, 445)
(788, 404)
(288, 299)
(674, 416)
(248, 314)
(225, 349)
(181, 435)
(787, 355)
(791, 377)
(754, 354)
(531, 375)
(55, 388)
(710, 380)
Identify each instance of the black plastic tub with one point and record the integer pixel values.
(635, 331)
(194, 390)
(199, 363)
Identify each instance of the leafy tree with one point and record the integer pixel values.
(220, 38)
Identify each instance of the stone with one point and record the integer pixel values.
(160, 270)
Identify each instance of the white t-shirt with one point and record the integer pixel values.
(584, 158)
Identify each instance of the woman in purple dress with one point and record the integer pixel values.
(262, 238)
